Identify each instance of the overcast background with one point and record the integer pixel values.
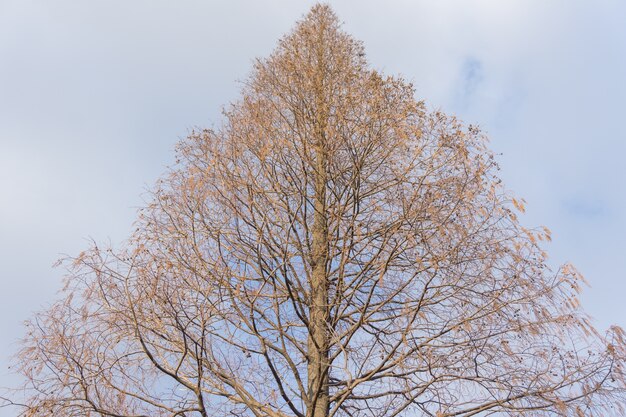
(95, 94)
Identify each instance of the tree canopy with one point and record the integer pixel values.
(334, 248)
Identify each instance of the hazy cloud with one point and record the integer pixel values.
(471, 77)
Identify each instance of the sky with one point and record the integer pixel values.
(94, 96)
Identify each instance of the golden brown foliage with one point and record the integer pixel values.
(334, 249)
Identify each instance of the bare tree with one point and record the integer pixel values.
(334, 249)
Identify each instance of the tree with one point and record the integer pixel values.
(334, 249)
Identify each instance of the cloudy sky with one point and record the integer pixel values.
(95, 94)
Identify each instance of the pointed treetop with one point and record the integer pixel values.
(316, 45)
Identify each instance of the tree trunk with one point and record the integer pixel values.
(318, 343)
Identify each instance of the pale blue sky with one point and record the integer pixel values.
(95, 94)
